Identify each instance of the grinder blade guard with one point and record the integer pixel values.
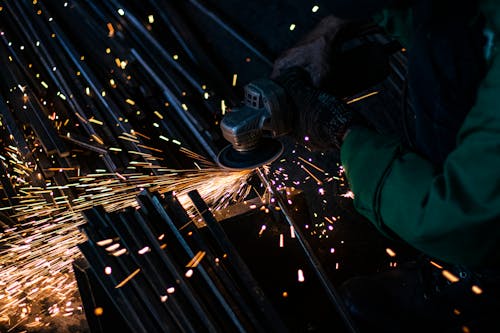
(251, 127)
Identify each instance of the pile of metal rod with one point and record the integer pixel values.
(162, 274)
(118, 87)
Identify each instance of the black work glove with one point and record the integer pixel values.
(337, 56)
(319, 120)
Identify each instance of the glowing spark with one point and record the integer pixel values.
(300, 276)
(128, 278)
(262, 229)
(144, 250)
(119, 252)
(196, 259)
(450, 276)
(311, 164)
(348, 194)
(331, 221)
(362, 97)
(95, 121)
(158, 114)
(476, 290)
(223, 107)
(435, 264)
(105, 242)
(318, 181)
(390, 252)
(53, 230)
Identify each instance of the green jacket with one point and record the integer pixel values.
(452, 214)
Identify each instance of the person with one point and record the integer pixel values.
(434, 184)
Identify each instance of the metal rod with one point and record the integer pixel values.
(231, 31)
(191, 254)
(244, 272)
(313, 260)
(177, 106)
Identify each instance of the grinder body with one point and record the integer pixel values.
(251, 127)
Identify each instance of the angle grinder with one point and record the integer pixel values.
(253, 127)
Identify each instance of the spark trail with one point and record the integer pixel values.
(36, 254)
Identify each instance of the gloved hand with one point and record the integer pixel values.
(319, 120)
(316, 51)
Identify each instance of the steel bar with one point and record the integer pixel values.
(231, 30)
(215, 286)
(311, 257)
(245, 274)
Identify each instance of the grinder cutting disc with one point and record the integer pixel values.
(267, 151)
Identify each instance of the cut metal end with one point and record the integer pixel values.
(267, 151)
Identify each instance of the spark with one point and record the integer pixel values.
(45, 262)
(311, 164)
(128, 278)
(196, 259)
(223, 107)
(262, 228)
(450, 276)
(348, 194)
(390, 252)
(300, 276)
(144, 250)
(477, 290)
(362, 97)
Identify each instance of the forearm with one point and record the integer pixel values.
(444, 214)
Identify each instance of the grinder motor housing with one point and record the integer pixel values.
(262, 112)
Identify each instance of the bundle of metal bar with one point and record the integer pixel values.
(81, 84)
(165, 71)
(163, 275)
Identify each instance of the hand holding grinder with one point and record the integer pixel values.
(289, 104)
